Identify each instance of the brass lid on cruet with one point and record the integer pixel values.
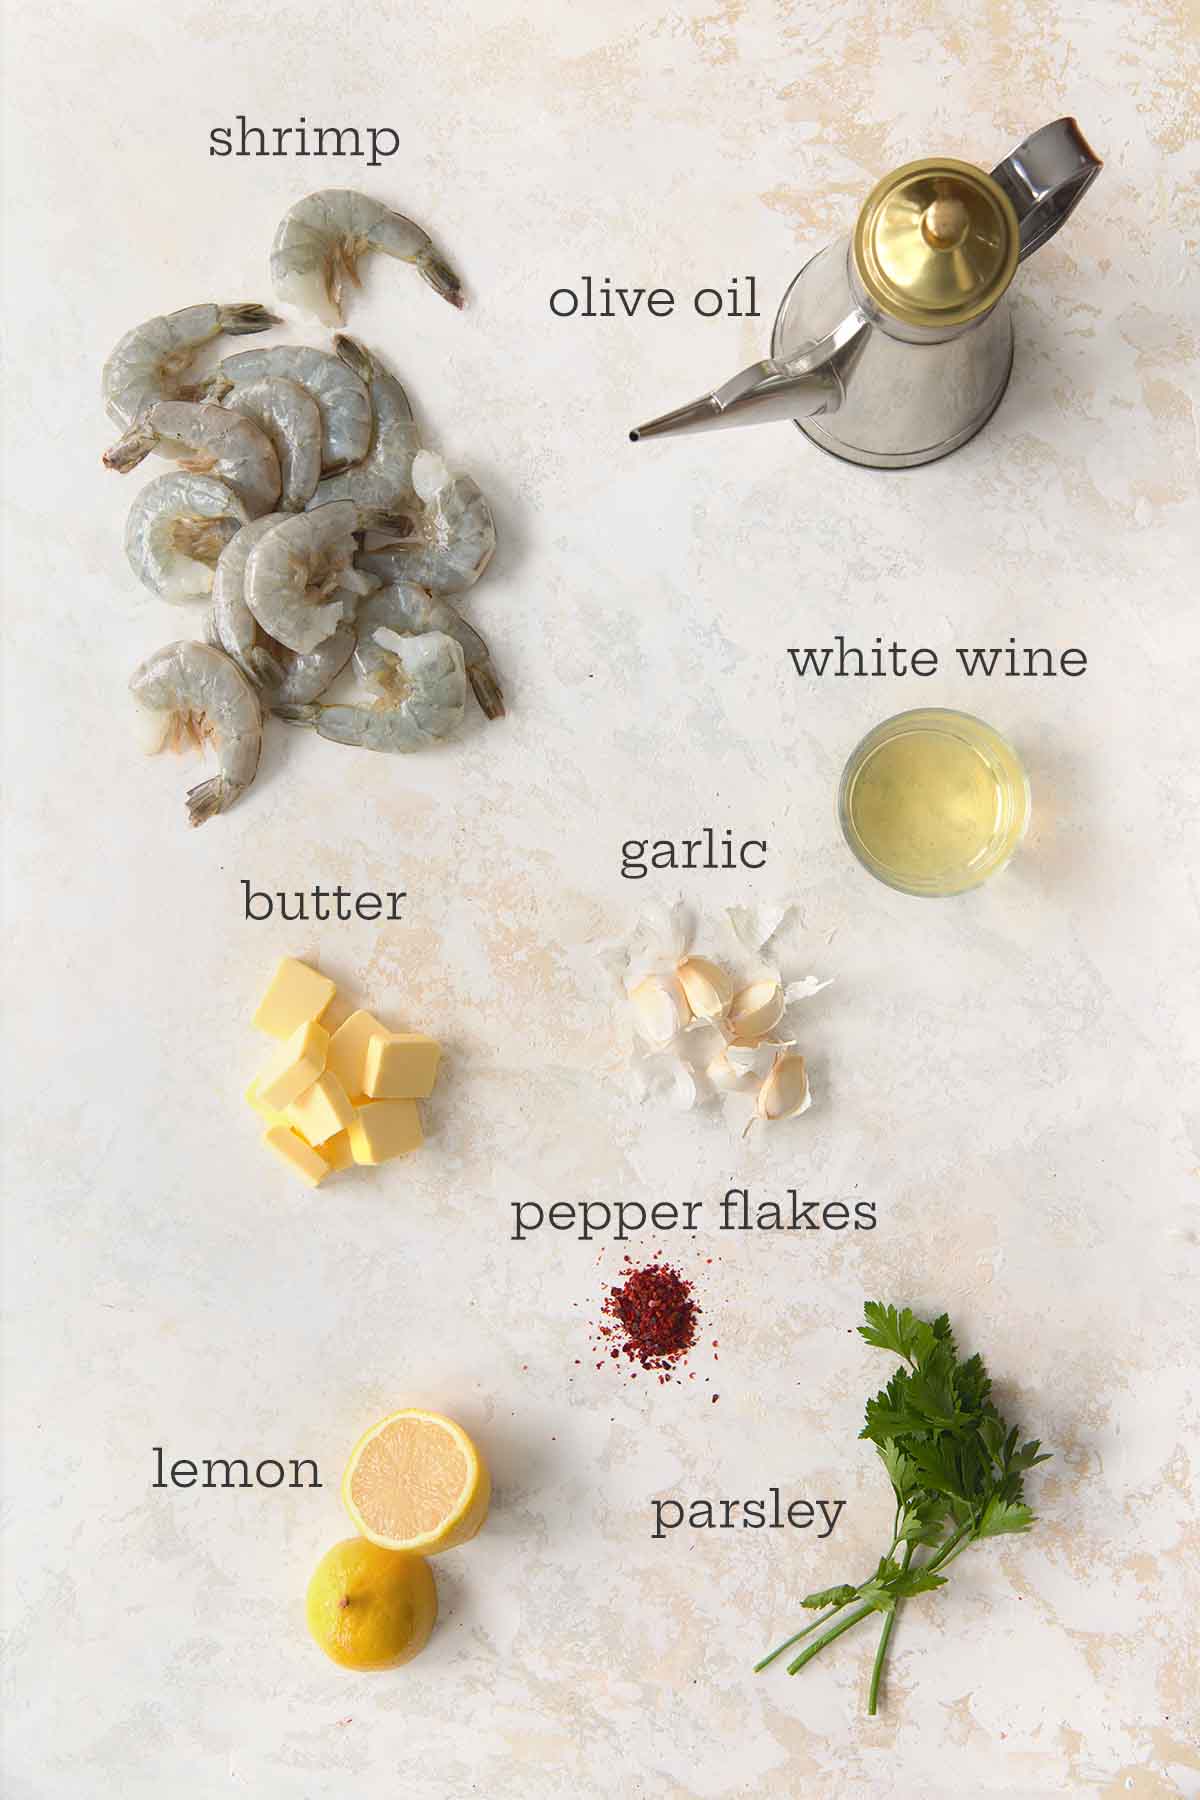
(936, 243)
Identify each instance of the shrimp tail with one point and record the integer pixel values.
(131, 449)
(441, 278)
(246, 316)
(487, 690)
(355, 356)
(209, 798)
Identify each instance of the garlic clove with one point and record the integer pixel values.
(660, 1009)
(785, 1093)
(708, 988)
(755, 1010)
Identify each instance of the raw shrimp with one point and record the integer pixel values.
(454, 538)
(341, 398)
(150, 361)
(291, 418)
(232, 626)
(205, 440)
(319, 241)
(422, 702)
(280, 673)
(201, 698)
(177, 528)
(294, 570)
(408, 611)
(294, 679)
(383, 478)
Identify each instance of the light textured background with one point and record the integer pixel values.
(1005, 1075)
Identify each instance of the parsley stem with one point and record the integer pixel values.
(835, 1631)
(795, 1638)
(889, 1620)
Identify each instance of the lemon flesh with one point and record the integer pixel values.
(416, 1482)
(370, 1608)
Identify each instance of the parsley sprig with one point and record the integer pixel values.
(957, 1472)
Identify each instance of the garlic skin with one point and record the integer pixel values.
(740, 1068)
(662, 1076)
(660, 1010)
(728, 1077)
(754, 1011)
(708, 988)
(785, 1094)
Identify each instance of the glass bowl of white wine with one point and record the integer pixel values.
(933, 802)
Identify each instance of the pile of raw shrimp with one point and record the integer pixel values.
(303, 513)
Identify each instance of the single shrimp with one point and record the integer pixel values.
(408, 611)
(281, 674)
(177, 528)
(454, 538)
(204, 440)
(291, 418)
(341, 398)
(150, 361)
(320, 240)
(421, 701)
(232, 626)
(383, 477)
(198, 697)
(294, 571)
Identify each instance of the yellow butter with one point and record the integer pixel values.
(296, 994)
(321, 1111)
(383, 1129)
(294, 1067)
(337, 1151)
(348, 1052)
(291, 1148)
(401, 1065)
(254, 1099)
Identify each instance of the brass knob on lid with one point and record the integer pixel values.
(936, 243)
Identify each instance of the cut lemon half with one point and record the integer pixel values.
(416, 1482)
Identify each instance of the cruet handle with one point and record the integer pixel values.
(1045, 178)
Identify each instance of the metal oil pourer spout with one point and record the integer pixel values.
(770, 389)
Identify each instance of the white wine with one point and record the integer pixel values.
(933, 802)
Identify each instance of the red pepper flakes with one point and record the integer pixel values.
(651, 1318)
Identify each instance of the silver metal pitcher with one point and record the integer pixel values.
(894, 345)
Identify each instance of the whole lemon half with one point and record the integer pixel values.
(415, 1481)
(370, 1608)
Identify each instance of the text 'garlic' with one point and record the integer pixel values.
(660, 1009)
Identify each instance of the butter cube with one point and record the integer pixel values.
(401, 1065)
(383, 1129)
(321, 1111)
(296, 994)
(291, 1148)
(254, 1099)
(348, 1052)
(337, 1151)
(294, 1067)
